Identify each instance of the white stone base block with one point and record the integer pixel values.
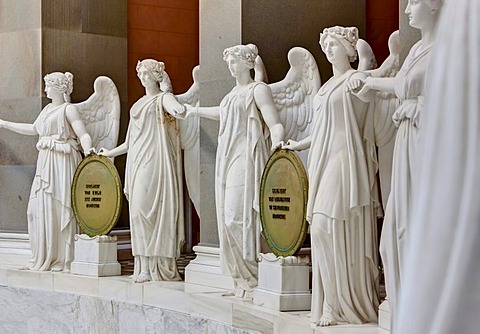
(384, 316)
(283, 283)
(14, 249)
(95, 256)
(205, 270)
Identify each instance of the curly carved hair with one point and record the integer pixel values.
(348, 36)
(246, 53)
(62, 82)
(156, 68)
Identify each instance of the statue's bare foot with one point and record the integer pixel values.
(240, 293)
(24, 268)
(143, 277)
(229, 293)
(248, 295)
(56, 269)
(324, 321)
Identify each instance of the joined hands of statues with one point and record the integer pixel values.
(277, 146)
(180, 111)
(90, 151)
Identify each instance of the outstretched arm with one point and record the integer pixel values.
(298, 145)
(119, 150)
(207, 112)
(264, 100)
(21, 128)
(78, 127)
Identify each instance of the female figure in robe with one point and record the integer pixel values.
(51, 222)
(153, 178)
(342, 197)
(409, 87)
(249, 123)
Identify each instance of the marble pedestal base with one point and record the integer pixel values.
(95, 256)
(283, 283)
(205, 270)
(384, 316)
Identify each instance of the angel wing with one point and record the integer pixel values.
(189, 127)
(101, 113)
(366, 57)
(189, 139)
(384, 105)
(294, 94)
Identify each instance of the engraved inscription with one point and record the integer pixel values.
(283, 200)
(94, 196)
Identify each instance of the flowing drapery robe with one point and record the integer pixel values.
(51, 222)
(409, 88)
(153, 187)
(243, 149)
(441, 275)
(342, 206)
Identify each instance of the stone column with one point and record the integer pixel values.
(85, 37)
(220, 27)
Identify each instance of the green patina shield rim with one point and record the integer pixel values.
(301, 174)
(107, 227)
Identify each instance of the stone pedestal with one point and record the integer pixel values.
(384, 316)
(283, 283)
(95, 256)
(205, 269)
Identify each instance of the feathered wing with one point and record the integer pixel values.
(294, 94)
(366, 57)
(189, 127)
(384, 107)
(101, 114)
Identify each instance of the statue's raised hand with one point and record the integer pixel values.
(105, 152)
(292, 145)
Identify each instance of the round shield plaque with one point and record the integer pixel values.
(96, 195)
(283, 203)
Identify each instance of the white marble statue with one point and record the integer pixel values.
(250, 129)
(254, 120)
(153, 178)
(409, 87)
(441, 273)
(63, 129)
(342, 200)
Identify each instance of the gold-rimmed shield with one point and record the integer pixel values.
(283, 203)
(96, 195)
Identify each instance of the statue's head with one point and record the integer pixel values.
(347, 36)
(422, 14)
(62, 82)
(155, 68)
(245, 53)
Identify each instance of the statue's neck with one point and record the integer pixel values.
(57, 102)
(428, 35)
(152, 90)
(340, 69)
(244, 79)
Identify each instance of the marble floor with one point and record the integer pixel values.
(154, 307)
